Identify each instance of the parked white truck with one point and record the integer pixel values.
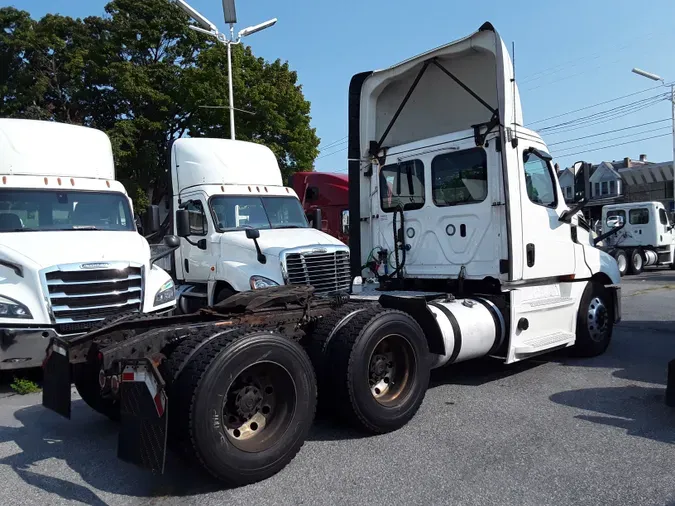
(488, 261)
(241, 228)
(646, 237)
(70, 255)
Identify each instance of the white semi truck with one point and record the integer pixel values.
(240, 227)
(70, 255)
(646, 237)
(448, 187)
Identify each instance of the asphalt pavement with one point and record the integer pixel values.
(554, 430)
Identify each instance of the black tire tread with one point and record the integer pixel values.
(186, 386)
(342, 364)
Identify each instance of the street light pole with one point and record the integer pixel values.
(655, 77)
(208, 28)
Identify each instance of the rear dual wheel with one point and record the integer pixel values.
(243, 403)
(374, 370)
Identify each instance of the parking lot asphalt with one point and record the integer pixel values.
(553, 430)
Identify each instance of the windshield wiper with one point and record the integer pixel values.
(20, 230)
(290, 226)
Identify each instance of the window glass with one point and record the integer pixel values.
(604, 188)
(638, 216)
(613, 215)
(38, 210)
(663, 217)
(597, 189)
(402, 184)
(235, 212)
(612, 187)
(197, 218)
(539, 180)
(459, 177)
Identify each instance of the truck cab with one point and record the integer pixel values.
(450, 192)
(329, 192)
(241, 228)
(646, 237)
(70, 254)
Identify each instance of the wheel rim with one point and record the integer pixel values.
(598, 319)
(638, 262)
(259, 406)
(391, 369)
(621, 261)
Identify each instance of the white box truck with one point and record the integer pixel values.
(645, 237)
(241, 228)
(487, 260)
(70, 254)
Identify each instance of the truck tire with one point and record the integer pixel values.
(379, 365)
(316, 344)
(637, 261)
(595, 321)
(85, 376)
(621, 261)
(243, 404)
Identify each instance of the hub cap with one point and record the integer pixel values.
(259, 405)
(390, 369)
(598, 320)
(621, 261)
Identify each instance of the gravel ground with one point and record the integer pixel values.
(549, 431)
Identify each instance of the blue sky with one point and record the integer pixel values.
(569, 55)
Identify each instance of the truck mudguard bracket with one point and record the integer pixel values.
(57, 379)
(417, 308)
(144, 416)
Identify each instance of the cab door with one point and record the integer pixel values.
(548, 248)
(199, 251)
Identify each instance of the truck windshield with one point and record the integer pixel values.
(42, 210)
(235, 212)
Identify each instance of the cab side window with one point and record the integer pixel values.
(638, 216)
(198, 223)
(663, 217)
(539, 179)
(402, 184)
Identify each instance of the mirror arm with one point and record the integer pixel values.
(159, 256)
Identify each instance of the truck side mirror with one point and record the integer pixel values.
(254, 234)
(316, 219)
(151, 220)
(345, 221)
(182, 223)
(171, 241)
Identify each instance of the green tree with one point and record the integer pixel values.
(142, 76)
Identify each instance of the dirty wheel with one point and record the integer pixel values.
(595, 321)
(621, 261)
(246, 402)
(379, 362)
(86, 376)
(636, 263)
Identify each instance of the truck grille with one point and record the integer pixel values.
(326, 272)
(82, 297)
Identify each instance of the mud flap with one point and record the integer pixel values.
(144, 416)
(57, 379)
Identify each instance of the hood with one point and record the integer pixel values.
(272, 242)
(56, 248)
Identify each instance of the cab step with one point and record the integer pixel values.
(544, 343)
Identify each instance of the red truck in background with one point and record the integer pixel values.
(329, 192)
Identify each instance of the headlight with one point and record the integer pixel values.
(10, 308)
(258, 282)
(166, 293)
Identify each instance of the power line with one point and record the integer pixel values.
(592, 106)
(607, 113)
(615, 138)
(331, 153)
(339, 141)
(607, 132)
(615, 145)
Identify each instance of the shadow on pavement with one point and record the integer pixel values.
(639, 410)
(88, 445)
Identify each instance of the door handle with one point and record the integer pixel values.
(186, 265)
(529, 252)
